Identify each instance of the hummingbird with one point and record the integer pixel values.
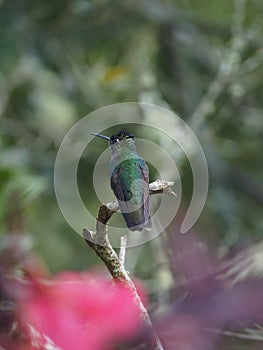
(129, 179)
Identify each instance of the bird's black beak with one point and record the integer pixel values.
(102, 136)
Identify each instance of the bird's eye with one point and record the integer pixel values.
(115, 140)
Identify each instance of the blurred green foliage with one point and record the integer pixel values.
(60, 60)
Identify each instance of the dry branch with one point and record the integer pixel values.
(100, 243)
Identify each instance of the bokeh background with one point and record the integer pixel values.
(60, 60)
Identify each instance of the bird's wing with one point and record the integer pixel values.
(130, 184)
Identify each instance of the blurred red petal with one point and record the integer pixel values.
(78, 311)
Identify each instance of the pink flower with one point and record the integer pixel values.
(80, 312)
